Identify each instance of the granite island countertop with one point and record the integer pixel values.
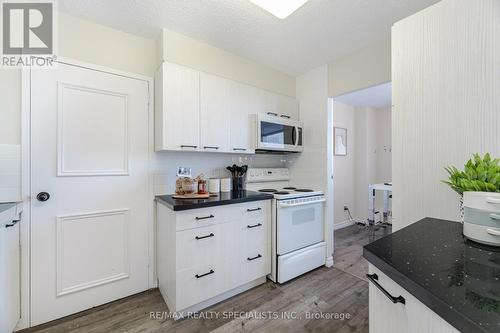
(456, 278)
(224, 198)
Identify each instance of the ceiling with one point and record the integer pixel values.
(376, 97)
(317, 33)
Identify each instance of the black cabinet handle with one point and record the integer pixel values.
(254, 226)
(253, 209)
(239, 149)
(207, 236)
(14, 222)
(204, 217)
(256, 257)
(202, 275)
(188, 146)
(285, 116)
(210, 147)
(272, 114)
(374, 279)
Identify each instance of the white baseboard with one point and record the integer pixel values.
(343, 224)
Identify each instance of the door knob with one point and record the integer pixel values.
(42, 196)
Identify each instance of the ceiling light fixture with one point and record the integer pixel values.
(279, 8)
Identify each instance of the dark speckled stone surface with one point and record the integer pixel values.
(224, 198)
(454, 277)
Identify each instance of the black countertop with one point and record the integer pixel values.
(456, 278)
(5, 206)
(224, 198)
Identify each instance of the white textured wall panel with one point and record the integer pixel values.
(446, 96)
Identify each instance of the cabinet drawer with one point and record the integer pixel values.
(198, 218)
(254, 211)
(197, 284)
(197, 246)
(255, 262)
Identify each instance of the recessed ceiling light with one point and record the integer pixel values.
(279, 8)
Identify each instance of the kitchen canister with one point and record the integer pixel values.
(225, 185)
(214, 185)
(482, 217)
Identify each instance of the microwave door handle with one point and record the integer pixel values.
(296, 129)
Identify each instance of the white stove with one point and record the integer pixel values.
(297, 223)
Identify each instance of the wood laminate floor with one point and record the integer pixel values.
(324, 300)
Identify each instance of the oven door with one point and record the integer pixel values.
(299, 223)
(278, 134)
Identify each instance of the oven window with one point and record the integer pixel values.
(276, 133)
(304, 215)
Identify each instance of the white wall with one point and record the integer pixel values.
(344, 175)
(446, 84)
(367, 162)
(364, 68)
(193, 53)
(310, 168)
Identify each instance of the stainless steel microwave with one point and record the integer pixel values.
(278, 134)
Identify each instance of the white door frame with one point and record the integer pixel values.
(25, 227)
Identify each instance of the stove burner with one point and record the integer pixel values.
(289, 188)
(282, 192)
(268, 190)
(303, 190)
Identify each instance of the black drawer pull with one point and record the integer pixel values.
(272, 114)
(253, 209)
(239, 149)
(254, 226)
(207, 236)
(202, 275)
(374, 279)
(209, 147)
(285, 116)
(205, 217)
(256, 257)
(188, 146)
(14, 222)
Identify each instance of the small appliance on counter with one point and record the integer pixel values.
(482, 217)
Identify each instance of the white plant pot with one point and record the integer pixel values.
(482, 217)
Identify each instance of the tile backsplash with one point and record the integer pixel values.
(211, 165)
(10, 173)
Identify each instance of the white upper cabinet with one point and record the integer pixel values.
(177, 108)
(196, 111)
(242, 108)
(214, 113)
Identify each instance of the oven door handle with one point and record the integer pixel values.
(286, 205)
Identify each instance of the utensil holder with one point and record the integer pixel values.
(238, 183)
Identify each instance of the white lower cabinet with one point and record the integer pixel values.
(209, 254)
(411, 317)
(10, 289)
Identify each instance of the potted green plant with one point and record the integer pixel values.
(479, 188)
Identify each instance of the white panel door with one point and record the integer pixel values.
(89, 132)
(214, 113)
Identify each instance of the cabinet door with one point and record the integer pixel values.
(178, 111)
(243, 109)
(288, 107)
(9, 274)
(214, 113)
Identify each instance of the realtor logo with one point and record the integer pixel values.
(27, 28)
(27, 33)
